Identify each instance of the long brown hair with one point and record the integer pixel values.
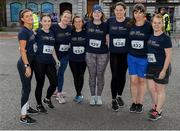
(21, 15)
(137, 7)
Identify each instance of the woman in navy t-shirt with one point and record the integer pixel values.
(158, 71)
(137, 57)
(77, 56)
(62, 32)
(45, 64)
(118, 28)
(25, 63)
(96, 53)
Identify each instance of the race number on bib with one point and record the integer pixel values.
(95, 43)
(48, 49)
(119, 42)
(78, 50)
(136, 44)
(151, 58)
(35, 47)
(64, 48)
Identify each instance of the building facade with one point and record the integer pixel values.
(83, 7)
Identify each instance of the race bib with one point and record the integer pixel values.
(95, 43)
(78, 50)
(35, 47)
(119, 42)
(151, 58)
(64, 48)
(136, 44)
(48, 49)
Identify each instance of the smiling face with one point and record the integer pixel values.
(119, 11)
(66, 18)
(78, 23)
(46, 22)
(157, 23)
(27, 18)
(97, 15)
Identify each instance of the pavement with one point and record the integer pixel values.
(73, 116)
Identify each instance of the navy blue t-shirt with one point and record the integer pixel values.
(139, 36)
(27, 35)
(77, 46)
(156, 49)
(45, 43)
(118, 34)
(96, 38)
(62, 38)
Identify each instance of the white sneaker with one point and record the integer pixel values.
(98, 100)
(93, 100)
(63, 94)
(60, 98)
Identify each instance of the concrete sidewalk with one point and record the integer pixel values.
(81, 116)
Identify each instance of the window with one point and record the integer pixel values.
(15, 8)
(47, 7)
(33, 6)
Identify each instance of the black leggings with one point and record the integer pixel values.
(26, 83)
(118, 65)
(40, 71)
(78, 69)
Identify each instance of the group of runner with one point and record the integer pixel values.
(134, 44)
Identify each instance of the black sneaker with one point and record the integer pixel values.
(27, 120)
(120, 102)
(31, 111)
(48, 102)
(154, 116)
(41, 109)
(115, 106)
(133, 108)
(139, 108)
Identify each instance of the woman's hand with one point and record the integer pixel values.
(28, 71)
(58, 64)
(162, 74)
(107, 40)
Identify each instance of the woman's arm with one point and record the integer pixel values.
(166, 63)
(107, 39)
(56, 59)
(22, 47)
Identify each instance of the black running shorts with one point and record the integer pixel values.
(153, 73)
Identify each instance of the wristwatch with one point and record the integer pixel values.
(26, 65)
